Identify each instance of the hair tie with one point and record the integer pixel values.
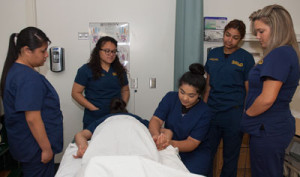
(16, 37)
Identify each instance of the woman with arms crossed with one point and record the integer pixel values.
(188, 117)
(33, 118)
(272, 84)
(101, 79)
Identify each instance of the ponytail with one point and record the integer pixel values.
(12, 55)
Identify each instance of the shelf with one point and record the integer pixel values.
(250, 38)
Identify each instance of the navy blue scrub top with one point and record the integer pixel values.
(195, 124)
(95, 124)
(227, 78)
(280, 64)
(27, 90)
(99, 92)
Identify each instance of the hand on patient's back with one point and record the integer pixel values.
(47, 155)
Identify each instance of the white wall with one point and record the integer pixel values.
(152, 31)
(14, 16)
(241, 9)
(12, 19)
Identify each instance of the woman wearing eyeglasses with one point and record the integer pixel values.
(101, 79)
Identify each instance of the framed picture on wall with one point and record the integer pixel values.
(213, 28)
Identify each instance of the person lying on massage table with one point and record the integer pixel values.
(118, 108)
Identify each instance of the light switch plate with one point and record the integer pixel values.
(134, 83)
(152, 82)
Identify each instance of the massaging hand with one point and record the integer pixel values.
(81, 150)
(162, 141)
(158, 139)
(47, 155)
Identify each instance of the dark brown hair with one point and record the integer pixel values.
(94, 62)
(194, 77)
(238, 25)
(31, 37)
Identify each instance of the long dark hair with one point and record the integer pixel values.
(31, 37)
(94, 62)
(194, 77)
(117, 105)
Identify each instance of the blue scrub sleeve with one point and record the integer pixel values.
(206, 65)
(30, 93)
(125, 79)
(97, 122)
(206, 68)
(276, 65)
(164, 106)
(199, 132)
(82, 75)
(93, 126)
(249, 63)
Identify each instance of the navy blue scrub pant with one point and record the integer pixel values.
(197, 160)
(38, 169)
(226, 125)
(267, 154)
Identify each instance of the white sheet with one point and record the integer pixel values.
(121, 135)
(122, 146)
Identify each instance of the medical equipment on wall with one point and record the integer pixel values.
(57, 57)
(291, 165)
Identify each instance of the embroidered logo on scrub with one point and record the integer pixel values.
(114, 74)
(237, 63)
(214, 59)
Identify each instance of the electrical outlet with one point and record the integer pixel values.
(83, 36)
(134, 83)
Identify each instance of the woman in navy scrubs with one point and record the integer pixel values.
(188, 117)
(272, 84)
(33, 118)
(101, 79)
(227, 70)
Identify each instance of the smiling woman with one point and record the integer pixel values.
(187, 117)
(102, 79)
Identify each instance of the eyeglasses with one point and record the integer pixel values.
(107, 51)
